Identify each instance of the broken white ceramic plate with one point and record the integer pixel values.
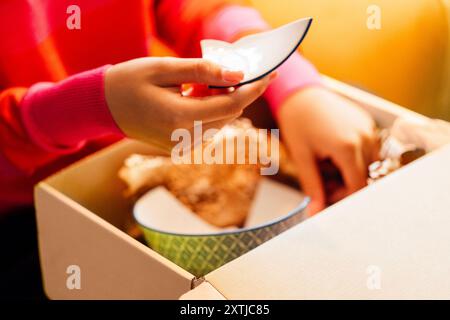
(258, 54)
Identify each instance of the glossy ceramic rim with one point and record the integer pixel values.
(279, 64)
(297, 210)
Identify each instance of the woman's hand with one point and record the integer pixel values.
(145, 99)
(320, 125)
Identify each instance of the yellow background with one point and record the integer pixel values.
(406, 61)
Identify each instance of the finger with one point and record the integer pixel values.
(197, 90)
(175, 71)
(350, 162)
(376, 148)
(219, 124)
(337, 195)
(310, 179)
(202, 90)
(216, 125)
(371, 148)
(222, 106)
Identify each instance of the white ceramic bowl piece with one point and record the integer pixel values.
(259, 54)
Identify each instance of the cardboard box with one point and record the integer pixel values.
(397, 225)
(388, 241)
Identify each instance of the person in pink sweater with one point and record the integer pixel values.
(66, 92)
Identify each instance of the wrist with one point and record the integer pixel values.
(294, 75)
(300, 96)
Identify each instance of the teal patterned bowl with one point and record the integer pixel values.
(202, 253)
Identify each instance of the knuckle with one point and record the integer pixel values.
(163, 63)
(200, 69)
(367, 137)
(161, 66)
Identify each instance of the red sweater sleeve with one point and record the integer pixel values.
(42, 122)
(179, 23)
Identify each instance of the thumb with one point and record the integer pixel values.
(176, 71)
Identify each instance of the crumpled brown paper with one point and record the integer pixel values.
(219, 193)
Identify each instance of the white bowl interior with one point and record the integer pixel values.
(258, 54)
(159, 210)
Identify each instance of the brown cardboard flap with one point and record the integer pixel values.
(108, 259)
(79, 213)
(389, 240)
(93, 182)
(384, 112)
(205, 291)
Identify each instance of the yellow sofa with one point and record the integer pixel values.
(407, 60)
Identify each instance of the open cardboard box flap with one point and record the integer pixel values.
(79, 220)
(80, 213)
(398, 228)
